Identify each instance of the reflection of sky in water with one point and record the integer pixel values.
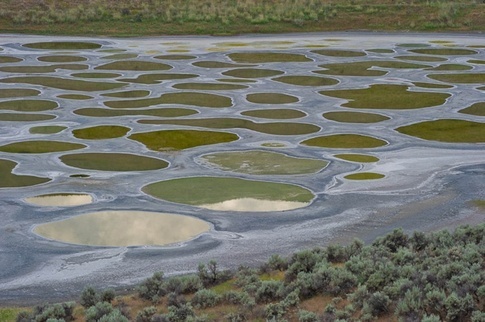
(124, 228)
(251, 204)
(61, 200)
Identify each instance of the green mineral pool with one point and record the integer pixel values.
(263, 163)
(231, 194)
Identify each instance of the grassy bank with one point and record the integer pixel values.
(217, 17)
(419, 277)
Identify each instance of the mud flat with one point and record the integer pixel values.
(397, 141)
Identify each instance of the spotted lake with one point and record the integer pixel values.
(121, 157)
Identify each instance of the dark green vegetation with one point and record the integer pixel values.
(419, 277)
(364, 176)
(210, 190)
(63, 83)
(101, 132)
(355, 117)
(128, 18)
(167, 140)
(275, 114)
(183, 98)
(17, 92)
(157, 78)
(160, 112)
(128, 94)
(447, 130)
(267, 57)
(12, 180)
(444, 51)
(477, 109)
(306, 80)
(252, 72)
(262, 162)
(209, 86)
(339, 53)
(25, 117)
(42, 69)
(422, 58)
(277, 128)
(271, 98)
(48, 129)
(63, 45)
(357, 157)
(96, 75)
(175, 57)
(8, 59)
(388, 97)
(468, 78)
(62, 59)
(39, 146)
(74, 96)
(345, 141)
(451, 67)
(137, 65)
(113, 162)
(218, 64)
(363, 68)
(28, 105)
(431, 85)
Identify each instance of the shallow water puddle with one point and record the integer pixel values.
(345, 141)
(209, 191)
(42, 69)
(61, 59)
(218, 64)
(60, 200)
(28, 105)
(134, 65)
(366, 68)
(447, 130)
(306, 80)
(475, 109)
(47, 129)
(124, 228)
(255, 205)
(364, 176)
(101, 132)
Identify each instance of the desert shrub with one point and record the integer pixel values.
(174, 299)
(191, 284)
(274, 311)
(43, 313)
(276, 262)
(210, 274)
(179, 314)
(457, 308)
(303, 261)
(376, 304)
(236, 317)
(268, 291)
(394, 240)
(341, 281)
(410, 305)
(205, 298)
(173, 285)
(307, 316)
(145, 315)
(152, 288)
(478, 316)
(431, 318)
(359, 296)
(97, 311)
(89, 297)
(114, 316)
(336, 253)
(292, 299)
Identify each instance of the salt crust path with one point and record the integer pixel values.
(428, 185)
